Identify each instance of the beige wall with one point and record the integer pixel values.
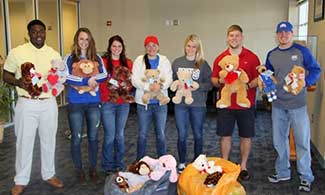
(316, 102)
(209, 19)
(70, 25)
(2, 34)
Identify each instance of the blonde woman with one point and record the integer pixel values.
(192, 114)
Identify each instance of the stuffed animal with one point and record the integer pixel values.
(120, 85)
(184, 86)
(212, 179)
(202, 164)
(266, 82)
(130, 182)
(55, 78)
(85, 69)
(140, 168)
(152, 76)
(235, 80)
(30, 79)
(160, 166)
(295, 80)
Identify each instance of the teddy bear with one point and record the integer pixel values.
(30, 79)
(130, 182)
(140, 168)
(152, 76)
(120, 85)
(85, 69)
(160, 166)
(184, 86)
(295, 80)
(235, 80)
(55, 78)
(266, 82)
(212, 179)
(202, 164)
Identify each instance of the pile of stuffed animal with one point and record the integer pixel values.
(144, 170)
(210, 175)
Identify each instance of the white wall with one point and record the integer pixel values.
(316, 100)
(208, 18)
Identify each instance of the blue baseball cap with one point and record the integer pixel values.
(284, 26)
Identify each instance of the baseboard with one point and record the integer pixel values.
(318, 156)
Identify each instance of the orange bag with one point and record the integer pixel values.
(191, 182)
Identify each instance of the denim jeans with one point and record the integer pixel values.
(297, 119)
(158, 115)
(184, 116)
(114, 117)
(76, 114)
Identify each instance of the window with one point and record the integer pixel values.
(303, 20)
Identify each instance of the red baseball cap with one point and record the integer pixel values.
(151, 38)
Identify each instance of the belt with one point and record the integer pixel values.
(34, 98)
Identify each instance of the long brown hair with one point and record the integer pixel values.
(91, 51)
(108, 55)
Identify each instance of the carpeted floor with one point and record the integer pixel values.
(261, 163)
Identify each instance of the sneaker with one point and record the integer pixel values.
(181, 167)
(304, 186)
(275, 178)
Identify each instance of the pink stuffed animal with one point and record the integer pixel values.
(55, 78)
(161, 166)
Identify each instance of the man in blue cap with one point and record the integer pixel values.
(290, 110)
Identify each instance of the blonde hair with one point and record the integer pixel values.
(199, 56)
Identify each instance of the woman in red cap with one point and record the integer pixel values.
(153, 111)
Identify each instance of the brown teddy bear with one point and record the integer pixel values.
(152, 76)
(140, 168)
(119, 85)
(184, 86)
(212, 179)
(295, 80)
(235, 80)
(30, 79)
(84, 69)
(122, 183)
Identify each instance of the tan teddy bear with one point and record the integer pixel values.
(84, 69)
(295, 80)
(184, 86)
(235, 80)
(152, 76)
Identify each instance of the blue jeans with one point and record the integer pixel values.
(297, 119)
(158, 115)
(184, 116)
(114, 117)
(76, 114)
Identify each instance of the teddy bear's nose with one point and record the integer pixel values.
(164, 165)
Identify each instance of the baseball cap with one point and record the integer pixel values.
(284, 26)
(151, 38)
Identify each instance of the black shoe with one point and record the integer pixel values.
(244, 176)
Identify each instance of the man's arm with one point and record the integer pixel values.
(9, 78)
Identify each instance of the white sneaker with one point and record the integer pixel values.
(181, 167)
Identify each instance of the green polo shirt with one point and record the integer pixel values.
(41, 58)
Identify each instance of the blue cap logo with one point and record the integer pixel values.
(284, 26)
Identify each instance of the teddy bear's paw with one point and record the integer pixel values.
(164, 101)
(286, 88)
(244, 104)
(176, 100)
(189, 100)
(54, 92)
(92, 93)
(221, 104)
(45, 88)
